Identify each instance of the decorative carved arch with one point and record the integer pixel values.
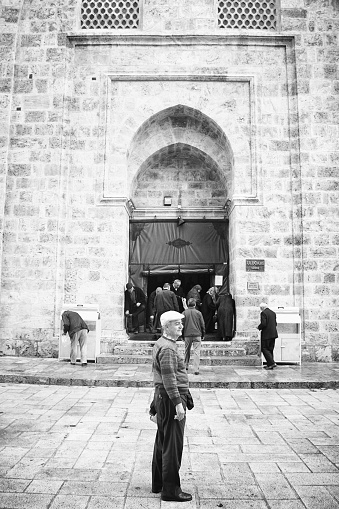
(181, 131)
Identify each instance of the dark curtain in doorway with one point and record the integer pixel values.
(163, 246)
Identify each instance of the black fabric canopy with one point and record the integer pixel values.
(163, 246)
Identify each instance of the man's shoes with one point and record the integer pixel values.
(84, 364)
(196, 372)
(180, 497)
(270, 367)
(73, 363)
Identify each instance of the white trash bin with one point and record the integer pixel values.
(288, 344)
(91, 315)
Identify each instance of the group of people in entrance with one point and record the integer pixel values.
(217, 307)
(212, 313)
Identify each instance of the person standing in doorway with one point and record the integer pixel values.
(77, 330)
(193, 333)
(157, 309)
(226, 316)
(170, 403)
(269, 333)
(135, 303)
(168, 301)
(179, 293)
(194, 293)
(208, 309)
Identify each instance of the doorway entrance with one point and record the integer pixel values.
(194, 251)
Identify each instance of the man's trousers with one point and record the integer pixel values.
(194, 343)
(168, 446)
(267, 347)
(81, 337)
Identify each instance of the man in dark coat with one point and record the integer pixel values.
(135, 303)
(268, 328)
(176, 288)
(170, 302)
(165, 300)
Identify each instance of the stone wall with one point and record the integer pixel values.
(315, 25)
(66, 178)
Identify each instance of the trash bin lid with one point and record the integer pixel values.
(287, 314)
(86, 311)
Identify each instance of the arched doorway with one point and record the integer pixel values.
(180, 166)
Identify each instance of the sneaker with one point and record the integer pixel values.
(196, 372)
(84, 364)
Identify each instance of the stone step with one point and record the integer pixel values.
(250, 346)
(241, 351)
(206, 351)
(243, 360)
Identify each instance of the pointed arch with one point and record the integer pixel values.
(187, 133)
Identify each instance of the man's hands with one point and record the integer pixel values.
(180, 412)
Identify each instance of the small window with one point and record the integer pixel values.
(248, 14)
(110, 14)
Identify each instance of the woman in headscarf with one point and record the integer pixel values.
(194, 293)
(208, 308)
(226, 316)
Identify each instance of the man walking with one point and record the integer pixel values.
(194, 331)
(268, 328)
(170, 402)
(77, 330)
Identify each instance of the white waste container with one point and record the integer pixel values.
(91, 315)
(288, 344)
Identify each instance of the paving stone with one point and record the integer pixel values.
(42, 486)
(259, 468)
(229, 492)
(13, 485)
(318, 463)
(334, 490)
(93, 488)
(107, 503)
(69, 502)
(152, 503)
(331, 452)
(286, 504)
(313, 479)
(275, 486)
(24, 501)
(295, 466)
(316, 496)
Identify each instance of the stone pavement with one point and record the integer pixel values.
(49, 371)
(80, 447)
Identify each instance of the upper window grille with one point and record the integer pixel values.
(110, 14)
(250, 14)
